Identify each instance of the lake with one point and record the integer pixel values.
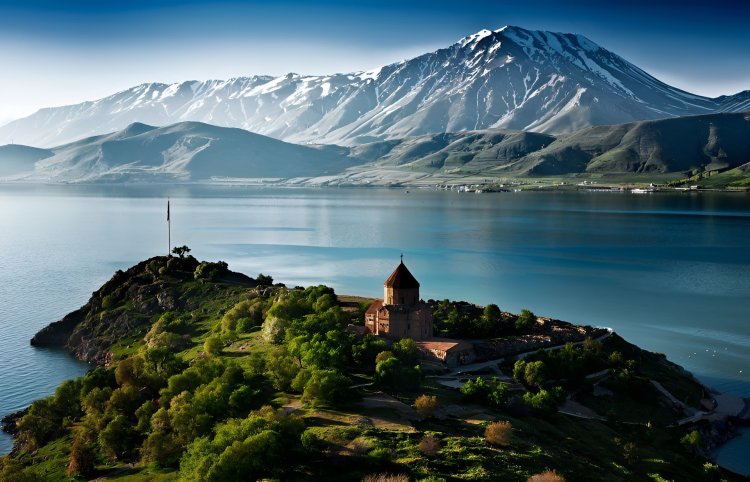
(668, 271)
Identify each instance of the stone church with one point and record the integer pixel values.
(400, 314)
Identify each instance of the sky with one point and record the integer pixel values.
(57, 52)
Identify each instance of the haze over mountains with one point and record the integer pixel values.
(192, 151)
(509, 78)
(186, 151)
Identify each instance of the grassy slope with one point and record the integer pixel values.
(583, 450)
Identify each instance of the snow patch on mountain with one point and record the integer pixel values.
(511, 78)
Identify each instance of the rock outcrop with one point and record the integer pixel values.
(129, 302)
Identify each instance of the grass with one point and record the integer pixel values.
(363, 441)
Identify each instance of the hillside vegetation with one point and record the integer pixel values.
(208, 375)
(688, 149)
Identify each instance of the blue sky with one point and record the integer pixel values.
(58, 52)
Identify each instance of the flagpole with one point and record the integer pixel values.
(169, 231)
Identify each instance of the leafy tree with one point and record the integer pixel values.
(81, 459)
(544, 401)
(326, 387)
(406, 350)
(393, 376)
(519, 371)
(492, 313)
(144, 414)
(162, 449)
(534, 373)
(212, 345)
(365, 351)
(210, 271)
(282, 368)
(117, 439)
(242, 449)
(525, 321)
(13, 471)
(181, 251)
(264, 280)
(243, 316)
(492, 392)
(499, 394)
(476, 390)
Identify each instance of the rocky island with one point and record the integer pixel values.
(201, 373)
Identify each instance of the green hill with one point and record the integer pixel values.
(205, 374)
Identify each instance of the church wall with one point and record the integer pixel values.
(395, 296)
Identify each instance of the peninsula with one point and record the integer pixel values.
(201, 373)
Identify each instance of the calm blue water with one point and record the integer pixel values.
(667, 271)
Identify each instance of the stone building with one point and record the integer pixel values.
(400, 314)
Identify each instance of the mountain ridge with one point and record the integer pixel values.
(186, 151)
(198, 152)
(510, 78)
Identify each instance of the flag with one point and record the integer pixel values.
(167, 209)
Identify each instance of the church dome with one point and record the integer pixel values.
(401, 278)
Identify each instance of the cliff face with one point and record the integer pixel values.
(130, 301)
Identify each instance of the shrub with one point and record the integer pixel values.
(274, 329)
(210, 271)
(426, 405)
(476, 390)
(546, 476)
(212, 345)
(544, 401)
(381, 454)
(385, 478)
(311, 442)
(243, 316)
(326, 387)
(13, 471)
(264, 280)
(525, 321)
(499, 433)
(692, 440)
(534, 373)
(429, 445)
(499, 394)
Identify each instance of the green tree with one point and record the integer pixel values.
(544, 401)
(282, 368)
(534, 373)
(326, 387)
(81, 459)
(117, 439)
(393, 376)
(525, 321)
(181, 251)
(212, 345)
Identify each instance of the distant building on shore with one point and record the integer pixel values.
(400, 314)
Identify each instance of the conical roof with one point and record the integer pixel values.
(402, 278)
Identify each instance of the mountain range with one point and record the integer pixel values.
(511, 78)
(198, 152)
(180, 152)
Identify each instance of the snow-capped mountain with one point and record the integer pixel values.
(509, 78)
